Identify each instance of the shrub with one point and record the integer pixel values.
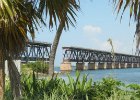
(74, 89)
(105, 88)
(39, 66)
(135, 89)
(77, 89)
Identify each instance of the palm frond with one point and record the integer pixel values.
(134, 11)
(132, 5)
(59, 11)
(17, 17)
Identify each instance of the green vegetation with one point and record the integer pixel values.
(74, 89)
(38, 67)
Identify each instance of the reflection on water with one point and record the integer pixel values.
(129, 75)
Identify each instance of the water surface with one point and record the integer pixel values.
(129, 75)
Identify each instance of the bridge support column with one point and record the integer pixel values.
(65, 66)
(92, 66)
(117, 65)
(101, 65)
(80, 66)
(129, 65)
(135, 65)
(109, 66)
(123, 65)
(138, 65)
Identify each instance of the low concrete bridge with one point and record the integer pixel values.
(97, 59)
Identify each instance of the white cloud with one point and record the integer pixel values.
(99, 42)
(92, 29)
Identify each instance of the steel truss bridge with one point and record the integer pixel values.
(36, 51)
(77, 54)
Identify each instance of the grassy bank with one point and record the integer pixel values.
(78, 89)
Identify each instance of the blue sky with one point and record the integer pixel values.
(96, 23)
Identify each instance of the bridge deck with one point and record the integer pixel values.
(39, 43)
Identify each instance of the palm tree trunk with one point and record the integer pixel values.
(2, 77)
(54, 48)
(14, 79)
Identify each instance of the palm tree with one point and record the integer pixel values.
(17, 17)
(64, 12)
(134, 7)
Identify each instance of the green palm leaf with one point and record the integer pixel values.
(59, 11)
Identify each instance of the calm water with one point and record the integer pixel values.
(129, 75)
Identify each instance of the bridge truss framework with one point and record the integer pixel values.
(36, 51)
(103, 58)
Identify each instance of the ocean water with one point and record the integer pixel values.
(129, 75)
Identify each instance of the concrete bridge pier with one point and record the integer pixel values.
(123, 65)
(117, 65)
(65, 66)
(129, 65)
(92, 66)
(80, 66)
(138, 65)
(101, 65)
(109, 65)
(135, 65)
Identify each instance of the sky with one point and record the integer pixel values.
(96, 23)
